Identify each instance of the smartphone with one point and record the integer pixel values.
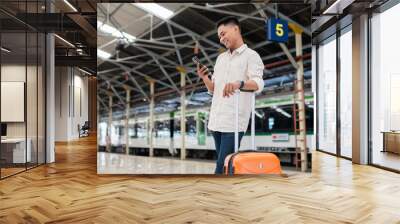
(196, 60)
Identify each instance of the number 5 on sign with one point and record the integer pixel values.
(277, 30)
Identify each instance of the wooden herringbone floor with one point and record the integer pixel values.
(70, 191)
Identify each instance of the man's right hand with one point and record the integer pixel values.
(202, 72)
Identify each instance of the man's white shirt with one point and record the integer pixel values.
(241, 65)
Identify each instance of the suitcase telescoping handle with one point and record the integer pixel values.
(253, 105)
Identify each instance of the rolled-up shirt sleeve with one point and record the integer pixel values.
(256, 70)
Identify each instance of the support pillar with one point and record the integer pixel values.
(151, 125)
(50, 93)
(135, 121)
(301, 104)
(360, 89)
(172, 150)
(109, 124)
(127, 115)
(183, 115)
(50, 99)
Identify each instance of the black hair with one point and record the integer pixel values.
(229, 20)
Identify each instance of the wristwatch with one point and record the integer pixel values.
(241, 85)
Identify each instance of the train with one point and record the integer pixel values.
(273, 124)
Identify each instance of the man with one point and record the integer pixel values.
(237, 68)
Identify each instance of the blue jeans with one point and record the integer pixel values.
(224, 145)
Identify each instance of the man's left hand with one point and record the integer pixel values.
(230, 88)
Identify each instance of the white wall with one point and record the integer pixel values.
(71, 102)
(16, 73)
(12, 73)
(81, 102)
(33, 126)
(61, 103)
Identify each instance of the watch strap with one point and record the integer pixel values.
(241, 85)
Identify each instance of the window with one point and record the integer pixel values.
(346, 93)
(385, 84)
(22, 74)
(327, 95)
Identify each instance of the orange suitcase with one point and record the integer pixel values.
(250, 161)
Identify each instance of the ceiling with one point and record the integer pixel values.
(162, 45)
(74, 25)
(159, 48)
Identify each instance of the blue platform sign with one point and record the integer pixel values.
(277, 30)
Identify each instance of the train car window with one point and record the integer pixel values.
(279, 119)
(310, 119)
(190, 126)
(162, 129)
(276, 119)
(141, 130)
(120, 130)
(177, 127)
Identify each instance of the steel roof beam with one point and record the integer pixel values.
(116, 93)
(171, 33)
(153, 46)
(222, 5)
(116, 9)
(102, 102)
(166, 75)
(172, 44)
(127, 69)
(206, 35)
(256, 46)
(108, 70)
(169, 37)
(131, 57)
(113, 79)
(212, 43)
(157, 56)
(226, 12)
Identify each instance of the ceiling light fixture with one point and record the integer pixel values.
(70, 5)
(114, 32)
(5, 50)
(79, 51)
(86, 72)
(65, 41)
(284, 113)
(258, 114)
(103, 54)
(155, 9)
(338, 6)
